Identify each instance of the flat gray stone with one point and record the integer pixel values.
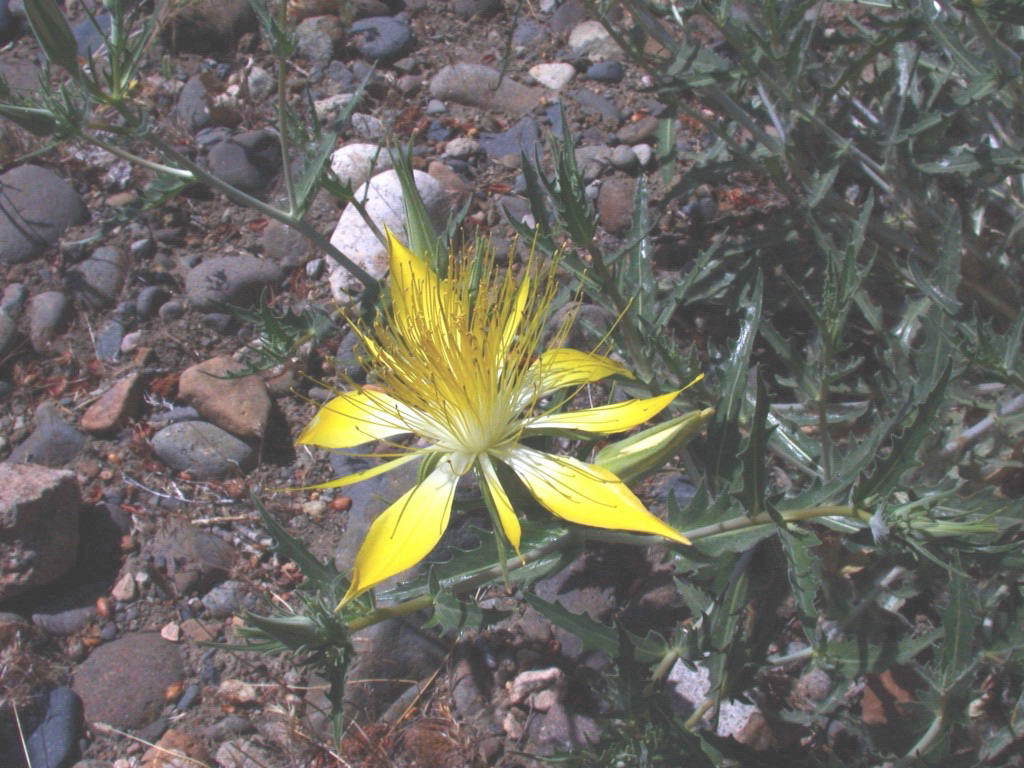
(202, 449)
(478, 86)
(52, 443)
(98, 280)
(36, 207)
(230, 279)
(46, 314)
(38, 525)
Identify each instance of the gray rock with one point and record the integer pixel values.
(150, 300)
(478, 86)
(368, 127)
(249, 161)
(98, 280)
(38, 525)
(10, 25)
(192, 559)
(591, 39)
(7, 330)
(36, 207)
(52, 443)
(355, 163)
(242, 753)
(381, 38)
(529, 32)
(597, 104)
(624, 158)
(225, 599)
(89, 35)
(208, 27)
(318, 38)
(615, 204)
(14, 297)
(284, 246)
(609, 71)
(383, 201)
(123, 682)
(592, 160)
(46, 314)
(202, 449)
(171, 311)
(435, 107)
(230, 279)
(54, 742)
(637, 131)
(468, 9)
(522, 137)
(66, 622)
(567, 16)
(192, 110)
(108, 340)
(461, 147)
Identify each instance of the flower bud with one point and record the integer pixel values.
(648, 451)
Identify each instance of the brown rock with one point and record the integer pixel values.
(638, 130)
(38, 525)
(123, 682)
(476, 85)
(240, 406)
(615, 204)
(115, 406)
(205, 26)
(454, 186)
(176, 749)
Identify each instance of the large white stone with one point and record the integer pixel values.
(385, 206)
(591, 39)
(354, 163)
(555, 75)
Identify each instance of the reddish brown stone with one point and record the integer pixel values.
(115, 406)
(240, 406)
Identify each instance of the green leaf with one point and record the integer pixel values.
(754, 455)
(36, 120)
(423, 237)
(665, 139)
(804, 570)
(726, 632)
(53, 33)
(959, 621)
(592, 634)
(454, 615)
(320, 576)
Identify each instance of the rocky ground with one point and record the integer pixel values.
(126, 531)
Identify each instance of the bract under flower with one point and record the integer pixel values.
(457, 365)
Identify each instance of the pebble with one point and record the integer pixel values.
(249, 161)
(229, 279)
(64, 623)
(203, 450)
(638, 130)
(108, 340)
(150, 300)
(124, 589)
(615, 204)
(171, 311)
(38, 525)
(597, 104)
(528, 32)
(142, 248)
(192, 110)
(318, 38)
(132, 341)
(476, 85)
(368, 127)
(189, 697)
(284, 245)
(329, 111)
(461, 147)
(522, 138)
(261, 83)
(435, 107)
(315, 267)
(555, 75)
(383, 202)
(624, 158)
(54, 742)
(592, 160)
(239, 405)
(591, 39)
(381, 38)
(14, 297)
(224, 600)
(177, 749)
(36, 207)
(7, 331)
(52, 443)
(608, 71)
(98, 280)
(644, 153)
(115, 406)
(354, 163)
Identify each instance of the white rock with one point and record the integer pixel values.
(693, 686)
(124, 590)
(591, 39)
(461, 147)
(383, 196)
(643, 153)
(555, 76)
(355, 163)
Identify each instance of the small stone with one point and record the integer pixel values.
(53, 442)
(124, 589)
(318, 38)
(122, 683)
(171, 311)
(242, 753)
(46, 314)
(108, 340)
(202, 449)
(461, 147)
(206, 27)
(592, 160)
(115, 406)
(150, 300)
(329, 110)
(528, 32)
(285, 246)
(237, 693)
(142, 248)
(65, 622)
(36, 207)
(229, 279)
(554, 76)
(615, 204)
(435, 107)
(239, 405)
(368, 127)
(261, 83)
(476, 85)
(643, 153)
(249, 161)
(176, 749)
(14, 297)
(624, 158)
(225, 599)
(171, 632)
(591, 39)
(597, 104)
(638, 130)
(521, 138)
(192, 110)
(381, 38)
(608, 71)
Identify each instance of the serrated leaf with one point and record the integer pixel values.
(592, 634)
(958, 622)
(754, 454)
(804, 571)
(322, 576)
(452, 615)
(726, 629)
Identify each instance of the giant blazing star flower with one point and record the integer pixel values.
(456, 363)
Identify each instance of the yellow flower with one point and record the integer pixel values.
(457, 366)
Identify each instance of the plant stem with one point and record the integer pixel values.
(282, 136)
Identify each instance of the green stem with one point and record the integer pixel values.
(282, 104)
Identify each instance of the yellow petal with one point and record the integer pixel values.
(515, 318)
(358, 477)
(563, 367)
(357, 417)
(584, 493)
(405, 532)
(606, 419)
(411, 279)
(506, 515)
